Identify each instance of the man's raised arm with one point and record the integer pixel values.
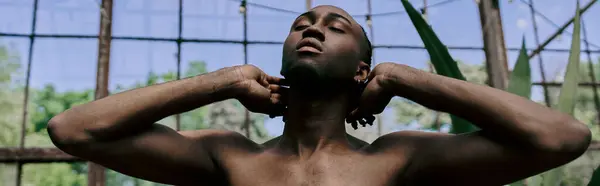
(119, 131)
(518, 137)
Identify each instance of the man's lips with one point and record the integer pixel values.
(309, 45)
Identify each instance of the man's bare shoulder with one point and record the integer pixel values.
(404, 140)
(218, 140)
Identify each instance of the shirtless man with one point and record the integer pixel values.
(323, 56)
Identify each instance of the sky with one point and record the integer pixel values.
(70, 64)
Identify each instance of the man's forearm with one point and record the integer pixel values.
(136, 109)
(490, 109)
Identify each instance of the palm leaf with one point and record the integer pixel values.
(440, 58)
(520, 83)
(568, 91)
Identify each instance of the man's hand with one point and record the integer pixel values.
(259, 92)
(375, 97)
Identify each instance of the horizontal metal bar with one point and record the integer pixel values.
(558, 84)
(35, 155)
(252, 42)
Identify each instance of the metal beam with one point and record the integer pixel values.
(558, 84)
(560, 30)
(493, 41)
(97, 173)
(35, 155)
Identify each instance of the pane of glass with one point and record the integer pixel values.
(293, 6)
(403, 114)
(589, 18)
(145, 18)
(417, 58)
(68, 17)
(471, 64)
(208, 19)
(55, 174)
(269, 25)
(136, 64)
(198, 58)
(395, 29)
(13, 65)
(8, 174)
(353, 7)
(463, 28)
(267, 58)
(516, 23)
(16, 16)
(63, 74)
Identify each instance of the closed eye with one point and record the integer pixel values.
(336, 29)
(300, 27)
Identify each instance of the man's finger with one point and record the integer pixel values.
(274, 80)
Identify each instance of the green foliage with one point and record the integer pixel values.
(441, 59)
(520, 82)
(568, 91)
(520, 78)
(595, 181)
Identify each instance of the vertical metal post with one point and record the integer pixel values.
(178, 76)
(493, 41)
(592, 74)
(25, 114)
(369, 20)
(308, 5)
(96, 173)
(540, 61)
(245, 42)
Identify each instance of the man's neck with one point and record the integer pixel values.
(315, 120)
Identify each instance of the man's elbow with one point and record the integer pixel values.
(570, 140)
(66, 134)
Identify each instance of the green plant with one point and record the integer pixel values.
(441, 60)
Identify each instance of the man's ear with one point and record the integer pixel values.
(362, 71)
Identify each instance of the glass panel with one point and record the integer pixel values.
(13, 65)
(8, 174)
(270, 64)
(395, 29)
(68, 17)
(136, 64)
(471, 64)
(145, 18)
(353, 7)
(463, 28)
(16, 16)
(589, 18)
(295, 6)
(63, 75)
(208, 19)
(417, 58)
(403, 114)
(198, 58)
(516, 23)
(269, 25)
(55, 174)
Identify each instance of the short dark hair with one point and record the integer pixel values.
(369, 48)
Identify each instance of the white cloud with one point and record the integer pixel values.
(522, 23)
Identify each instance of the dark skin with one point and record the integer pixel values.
(518, 138)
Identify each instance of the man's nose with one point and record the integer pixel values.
(315, 32)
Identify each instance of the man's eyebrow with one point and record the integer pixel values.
(336, 15)
(311, 15)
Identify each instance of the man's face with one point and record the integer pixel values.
(323, 45)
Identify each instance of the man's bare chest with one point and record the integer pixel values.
(326, 170)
